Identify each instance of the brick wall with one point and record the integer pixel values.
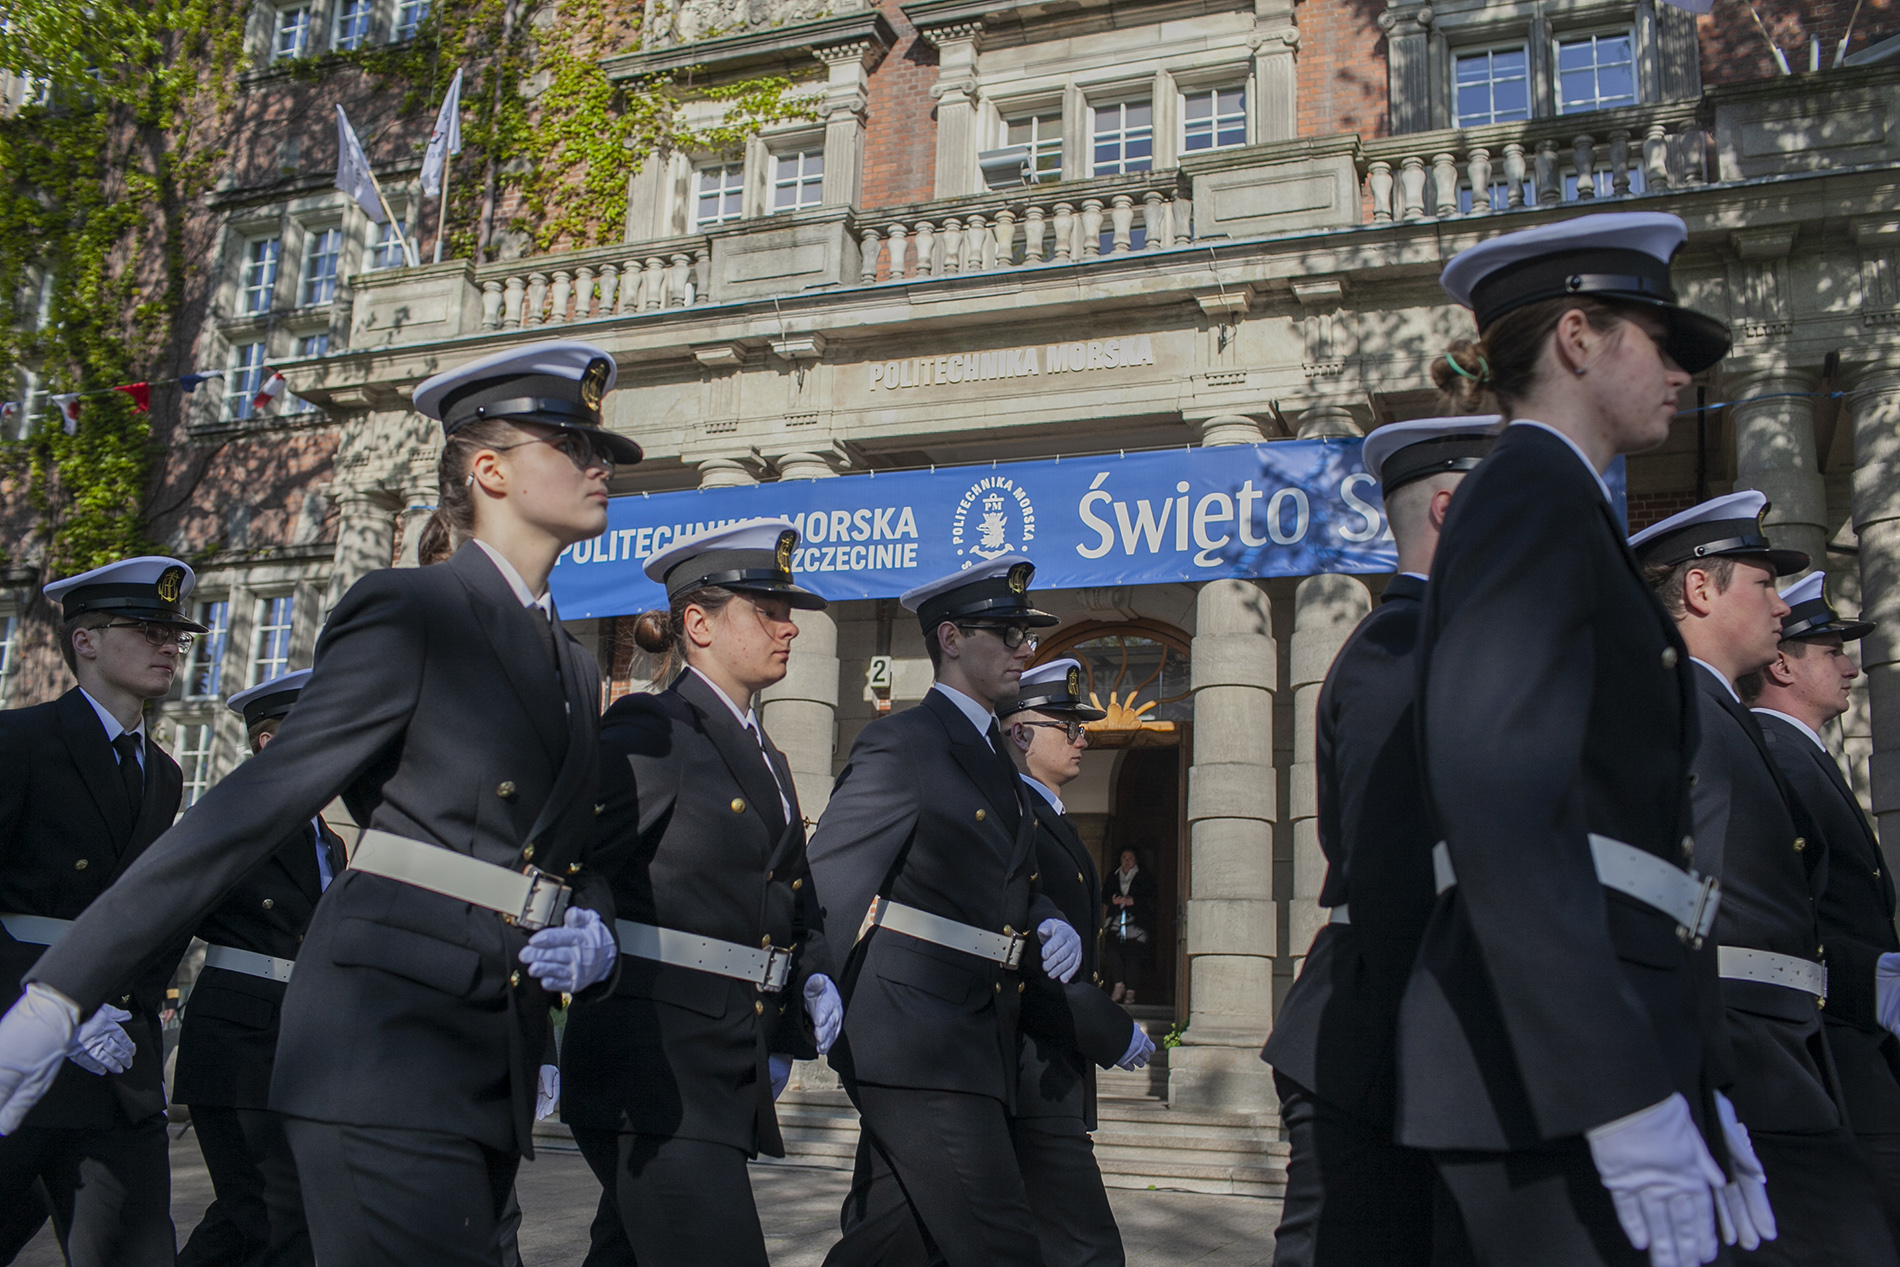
(1733, 49)
(1653, 508)
(900, 132)
(1342, 71)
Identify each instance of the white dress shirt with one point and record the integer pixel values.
(114, 729)
(980, 717)
(1722, 678)
(1574, 448)
(750, 721)
(1798, 724)
(1048, 794)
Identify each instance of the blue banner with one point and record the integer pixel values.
(1290, 508)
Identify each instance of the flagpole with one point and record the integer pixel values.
(442, 212)
(408, 252)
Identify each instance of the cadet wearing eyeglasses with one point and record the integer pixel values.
(86, 791)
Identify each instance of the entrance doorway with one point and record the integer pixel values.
(1147, 819)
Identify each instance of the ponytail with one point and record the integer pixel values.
(663, 633)
(454, 519)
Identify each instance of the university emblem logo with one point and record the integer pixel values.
(994, 518)
(170, 582)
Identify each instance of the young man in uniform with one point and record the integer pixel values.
(925, 857)
(1066, 1029)
(228, 1044)
(1794, 698)
(1714, 571)
(86, 790)
(1354, 1195)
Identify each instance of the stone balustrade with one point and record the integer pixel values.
(1606, 154)
(622, 281)
(1066, 223)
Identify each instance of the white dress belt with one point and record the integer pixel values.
(1738, 963)
(39, 930)
(1005, 947)
(533, 898)
(1342, 914)
(767, 967)
(1691, 900)
(248, 962)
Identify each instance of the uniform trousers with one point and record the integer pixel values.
(668, 1202)
(392, 1196)
(1882, 1154)
(1353, 1196)
(1826, 1202)
(1547, 1207)
(944, 1158)
(110, 1193)
(257, 1217)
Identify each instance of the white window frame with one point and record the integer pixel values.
(1123, 135)
(281, 23)
(243, 375)
(314, 344)
(257, 293)
(1045, 153)
(270, 643)
(801, 181)
(731, 190)
(382, 249)
(194, 745)
(9, 651)
(361, 20)
(323, 284)
(410, 15)
(208, 648)
(1491, 51)
(1212, 93)
(1557, 44)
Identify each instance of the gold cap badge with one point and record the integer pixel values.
(170, 582)
(1075, 681)
(782, 556)
(594, 382)
(1019, 574)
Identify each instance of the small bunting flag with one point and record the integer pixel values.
(273, 388)
(141, 394)
(68, 405)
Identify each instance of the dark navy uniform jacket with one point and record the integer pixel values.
(1856, 917)
(693, 838)
(66, 833)
(1555, 701)
(1334, 1034)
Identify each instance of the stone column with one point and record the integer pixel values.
(1775, 455)
(1275, 75)
(800, 712)
(365, 538)
(417, 507)
(847, 96)
(955, 91)
(1875, 402)
(728, 472)
(1231, 930)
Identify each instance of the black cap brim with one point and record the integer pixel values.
(1695, 340)
(157, 615)
(1847, 630)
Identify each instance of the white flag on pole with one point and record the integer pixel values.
(353, 176)
(445, 140)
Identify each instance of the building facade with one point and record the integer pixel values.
(1259, 196)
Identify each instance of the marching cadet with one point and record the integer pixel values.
(458, 720)
(670, 1081)
(1714, 571)
(86, 792)
(1559, 1041)
(1066, 1029)
(1794, 698)
(1354, 1195)
(228, 1042)
(928, 849)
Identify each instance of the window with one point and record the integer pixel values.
(260, 275)
(273, 638)
(9, 637)
(798, 179)
(204, 672)
(1124, 138)
(243, 379)
(1596, 72)
(1042, 134)
(1493, 87)
(352, 24)
(716, 194)
(409, 16)
(191, 747)
(293, 33)
(1213, 120)
(385, 246)
(314, 345)
(321, 249)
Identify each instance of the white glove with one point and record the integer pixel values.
(1662, 1180)
(781, 1068)
(825, 1008)
(101, 1045)
(1887, 993)
(1140, 1047)
(35, 1034)
(1061, 949)
(1744, 1209)
(577, 954)
(548, 1094)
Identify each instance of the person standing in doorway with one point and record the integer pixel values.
(1128, 926)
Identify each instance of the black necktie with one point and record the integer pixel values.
(548, 636)
(1002, 755)
(127, 746)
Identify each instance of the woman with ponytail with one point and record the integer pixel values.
(456, 718)
(668, 1083)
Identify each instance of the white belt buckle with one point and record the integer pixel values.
(1708, 899)
(1014, 955)
(778, 969)
(545, 902)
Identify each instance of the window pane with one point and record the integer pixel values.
(1492, 87)
(241, 381)
(9, 634)
(385, 246)
(1213, 120)
(1596, 72)
(273, 639)
(293, 33)
(352, 23)
(314, 344)
(191, 748)
(321, 250)
(717, 196)
(206, 669)
(409, 16)
(798, 179)
(1042, 134)
(260, 275)
(1124, 138)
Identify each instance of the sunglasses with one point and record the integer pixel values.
(1013, 636)
(1073, 729)
(585, 452)
(156, 634)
